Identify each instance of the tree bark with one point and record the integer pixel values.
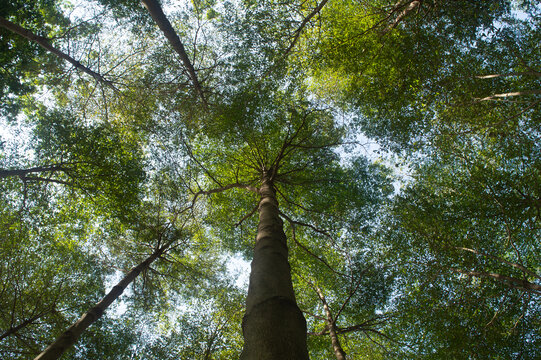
(44, 43)
(273, 326)
(157, 14)
(514, 282)
(70, 336)
(22, 173)
(331, 324)
(408, 8)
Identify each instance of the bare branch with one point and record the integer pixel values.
(13, 330)
(192, 156)
(314, 316)
(22, 173)
(352, 292)
(219, 190)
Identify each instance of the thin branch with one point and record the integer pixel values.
(29, 321)
(219, 190)
(302, 26)
(192, 156)
(352, 292)
(292, 223)
(314, 316)
(319, 231)
(247, 215)
(48, 180)
(288, 141)
(515, 265)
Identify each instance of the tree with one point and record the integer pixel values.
(278, 162)
(201, 115)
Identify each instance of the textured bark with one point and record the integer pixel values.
(155, 10)
(44, 43)
(273, 325)
(70, 336)
(331, 324)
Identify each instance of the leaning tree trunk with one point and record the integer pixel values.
(156, 12)
(44, 43)
(331, 324)
(273, 325)
(70, 336)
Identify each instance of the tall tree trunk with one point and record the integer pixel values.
(331, 323)
(44, 43)
(70, 336)
(273, 325)
(157, 14)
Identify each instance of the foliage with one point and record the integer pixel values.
(436, 258)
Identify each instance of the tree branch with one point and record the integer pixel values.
(510, 94)
(518, 283)
(292, 223)
(247, 215)
(22, 173)
(71, 335)
(494, 76)
(44, 43)
(408, 8)
(15, 329)
(515, 265)
(219, 190)
(301, 27)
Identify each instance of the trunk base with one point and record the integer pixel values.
(274, 330)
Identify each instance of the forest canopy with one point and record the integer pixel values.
(378, 163)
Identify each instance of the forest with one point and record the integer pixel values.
(270, 179)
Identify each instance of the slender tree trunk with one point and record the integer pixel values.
(155, 10)
(70, 336)
(331, 323)
(273, 325)
(44, 43)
